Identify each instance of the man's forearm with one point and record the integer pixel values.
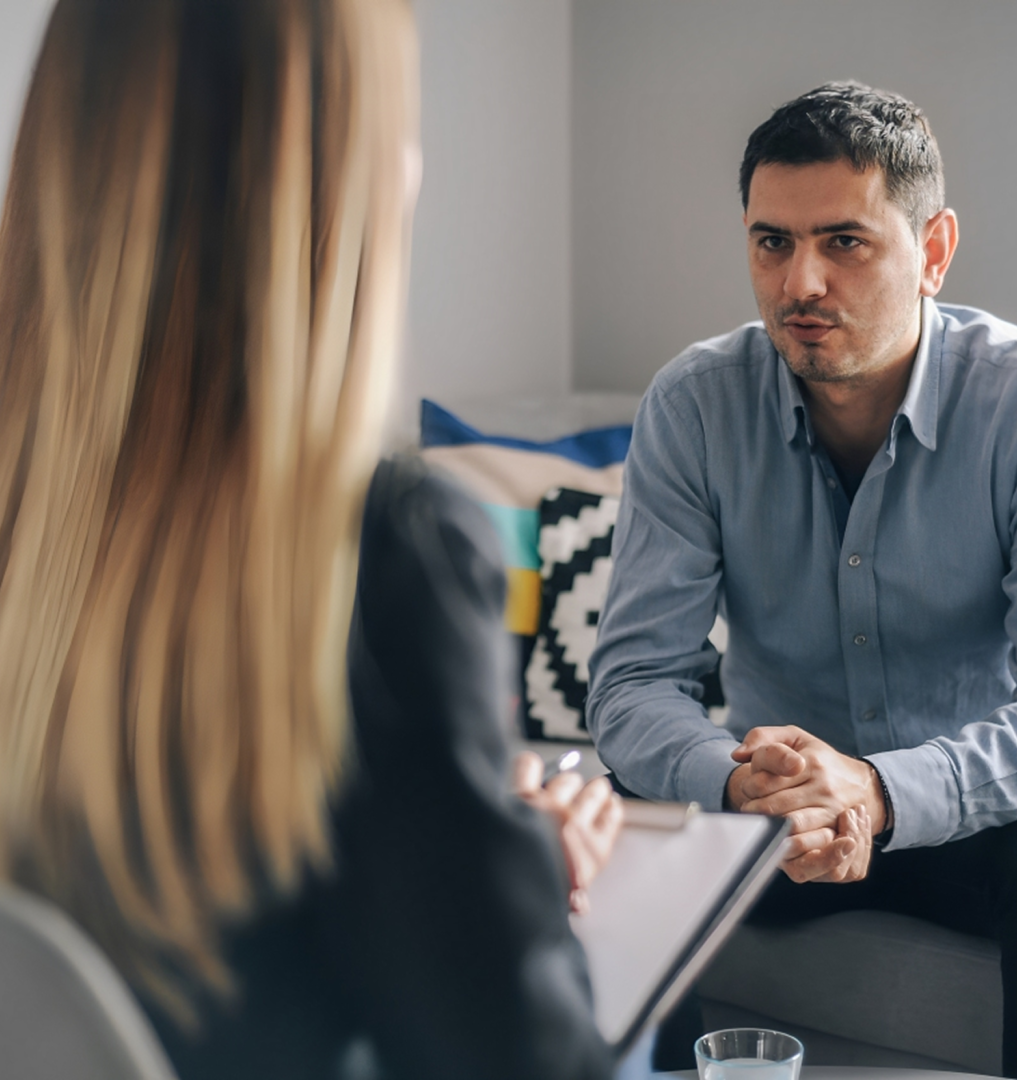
(660, 745)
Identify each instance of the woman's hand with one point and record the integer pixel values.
(588, 816)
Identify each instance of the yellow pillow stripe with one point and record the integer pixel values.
(522, 602)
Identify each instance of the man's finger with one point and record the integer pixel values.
(779, 759)
(809, 818)
(855, 823)
(760, 785)
(797, 845)
(844, 870)
(820, 864)
(762, 736)
(788, 801)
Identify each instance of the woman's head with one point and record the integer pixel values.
(201, 272)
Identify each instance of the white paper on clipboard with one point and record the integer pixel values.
(664, 904)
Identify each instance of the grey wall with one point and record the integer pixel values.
(578, 222)
(490, 290)
(666, 93)
(490, 295)
(21, 25)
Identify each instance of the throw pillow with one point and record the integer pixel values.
(576, 528)
(509, 477)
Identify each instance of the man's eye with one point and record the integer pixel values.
(845, 243)
(772, 243)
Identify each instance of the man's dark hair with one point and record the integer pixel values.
(868, 128)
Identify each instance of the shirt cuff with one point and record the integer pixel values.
(703, 773)
(923, 790)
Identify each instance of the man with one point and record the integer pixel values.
(840, 482)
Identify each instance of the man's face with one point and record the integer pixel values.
(835, 268)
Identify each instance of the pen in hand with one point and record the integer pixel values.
(571, 759)
(588, 816)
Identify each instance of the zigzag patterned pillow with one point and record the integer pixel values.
(575, 552)
(509, 475)
(576, 528)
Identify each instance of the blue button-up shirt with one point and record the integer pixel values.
(883, 625)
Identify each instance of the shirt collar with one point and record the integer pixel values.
(921, 402)
(792, 405)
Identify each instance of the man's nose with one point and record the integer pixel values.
(806, 276)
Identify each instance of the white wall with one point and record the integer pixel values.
(666, 93)
(490, 290)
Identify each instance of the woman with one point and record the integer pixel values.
(200, 283)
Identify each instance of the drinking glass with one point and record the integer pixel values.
(748, 1054)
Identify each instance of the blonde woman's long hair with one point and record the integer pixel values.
(201, 262)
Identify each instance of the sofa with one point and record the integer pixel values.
(865, 988)
(859, 988)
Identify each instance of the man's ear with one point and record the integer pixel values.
(939, 242)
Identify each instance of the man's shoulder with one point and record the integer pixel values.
(974, 334)
(739, 353)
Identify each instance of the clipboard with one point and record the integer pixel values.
(675, 888)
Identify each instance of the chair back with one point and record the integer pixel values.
(64, 1009)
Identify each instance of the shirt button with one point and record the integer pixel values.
(831, 483)
(869, 714)
(860, 639)
(854, 560)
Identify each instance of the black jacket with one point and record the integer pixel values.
(440, 947)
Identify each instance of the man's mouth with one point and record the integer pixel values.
(808, 331)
